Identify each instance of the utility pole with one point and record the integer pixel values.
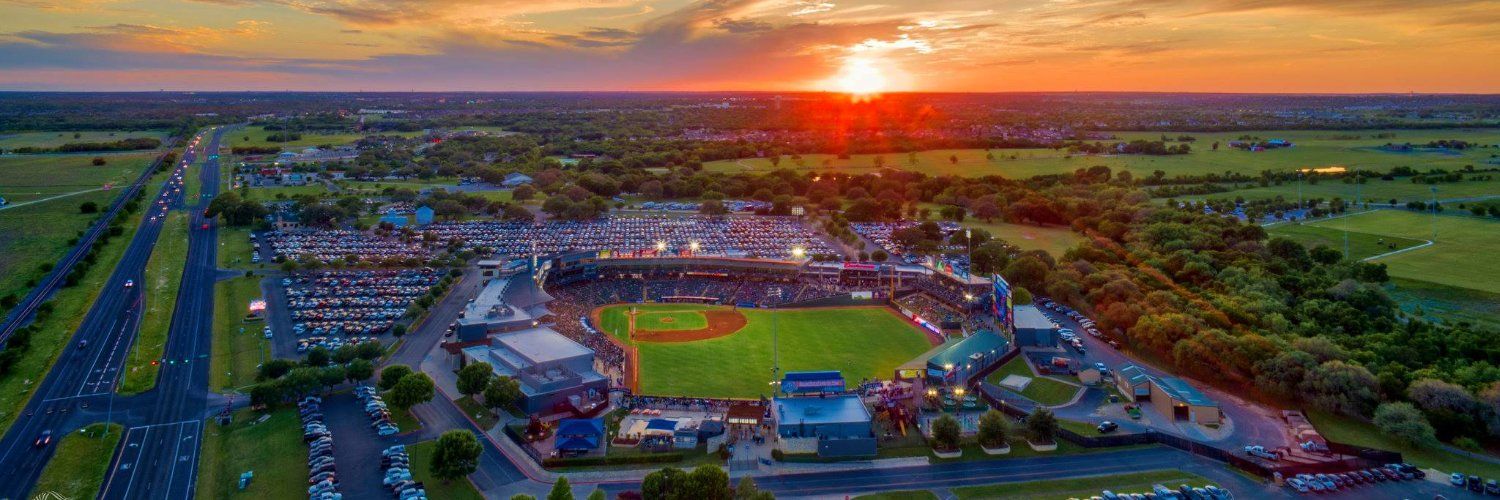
(1434, 213)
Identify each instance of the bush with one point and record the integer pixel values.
(1405, 422)
(1042, 426)
(993, 429)
(946, 433)
(778, 455)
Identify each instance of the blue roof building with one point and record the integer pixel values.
(424, 215)
(1033, 329)
(812, 382)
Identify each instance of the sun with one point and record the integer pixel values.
(860, 78)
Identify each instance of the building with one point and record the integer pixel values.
(1033, 329)
(577, 436)
(505, 304)
(515, 179)
(840, 424)
(556, 374)
(961, 360)
(424, 215)
(1169, 395)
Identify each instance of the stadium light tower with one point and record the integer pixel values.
(693, 246)
(661, 246)
(798, 252)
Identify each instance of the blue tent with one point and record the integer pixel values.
(579, 434)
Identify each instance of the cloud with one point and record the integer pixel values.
(742, 25)
(805, 7)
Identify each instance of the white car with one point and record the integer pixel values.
(129, 283)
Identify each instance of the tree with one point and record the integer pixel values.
(993, 429)
(392, 374)
(560, 490)
(502, 392)
(318, 356)
(746, 490)
(359, 369)
(523, 192)
(1042, 426)
(473, 378)
(1405, 422)
(1341, 387)
(707, 482)
(659, 485)
(411, 390)
(455, 455)
(597, 494)
(88, 207)
(712, 207)
(945, 433)
(98, 161)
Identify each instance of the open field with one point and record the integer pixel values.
(1374, 191)
(860, 342)
(1053, 240)
(272, 449)
(162, 280)
(27, 178)
(1361, 245)
(1043, 390)
(77, 467)
(1343, 429)
(1462, 255)
(273, 193)
(70, 305)
(1083, 487)
(234, 249)
(238, 345)
(421, 470)
(1314, 148)
(1448, 303)
(12, 140)
(36, 235)
(256, 136)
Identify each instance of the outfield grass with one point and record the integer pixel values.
(866, 342)
(1043, 390)
(273, 450)
(238, 345)
(1083, 487)
(162, 280)
(12, 140)
(1346, 430)
(421, 471)
(78, 466)
(1361, 245)
(1314, 148)
(1461, 257)
(70, 305)
(670, 320)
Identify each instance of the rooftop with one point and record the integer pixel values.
(1030, 317)
(822, 410)
(541, 345)
(958, 353)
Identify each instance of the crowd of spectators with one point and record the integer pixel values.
(931, 309)
(746, 236)
(355, 305)
(328, 245)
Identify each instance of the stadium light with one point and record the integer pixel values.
(693, 246)
(661, 246)
(958, 392)
(798, 252)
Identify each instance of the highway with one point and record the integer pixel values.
(79, 390)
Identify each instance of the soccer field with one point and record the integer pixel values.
(1461, 256)
(863, 342)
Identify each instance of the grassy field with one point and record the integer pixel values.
(284, 192)
(670, 320)
(1083, 487)
(12, 140)
(421, 471)
(1447, 303)
(860, 342)
(1373, 192)
(70, 305)
(234, 249)
(1361, 245)
(256, 136)
(1054, 240)
(899, 495)
(26, 178)
(273, 450)
(1461, 257)
(1314, 148)
(1343, 429)
(1043, 390)
(162, 280)
(77, 467)
(238, 345)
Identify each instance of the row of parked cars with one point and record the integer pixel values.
(1475, 483)
(1183, 492)
(322, 472)
(330, 343)
(353, 303)
(1321, 483)
(397, 466)
(380, 415)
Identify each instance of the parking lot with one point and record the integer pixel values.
(334, 308)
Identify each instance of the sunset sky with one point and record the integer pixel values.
(923, 45)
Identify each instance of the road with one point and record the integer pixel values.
(162, 425)
(80, 387)
(20, 315)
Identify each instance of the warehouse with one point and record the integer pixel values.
(1171, 396)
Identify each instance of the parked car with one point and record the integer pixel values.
(1107, 427)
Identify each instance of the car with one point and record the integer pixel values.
(1298, 485)
(1107, 427)
(129, 283)
(1476, 484)
(1375, 474)
(1492, 487)
(1102, 369)
(83, 344)
(43, 439)
(1457, 479)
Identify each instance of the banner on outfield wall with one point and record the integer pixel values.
(919, 320)
(1003, 307)
(865, 295)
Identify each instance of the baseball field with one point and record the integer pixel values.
(718, 351)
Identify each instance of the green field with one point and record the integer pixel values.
(671, 320)
(1446, 302)
(238, 345)
(160, 284)
(421, 470)
(273, 193)
(1043, 390)
(77, 467)
(1314, 148)
(1372, 192)
(1083, 487)
(256, 136)
(12, 140)
(27, 178)
(1462, 255)
(865, 342)
(1053, 240)
(1346, 430)
(1361, 245)
(273, 450)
